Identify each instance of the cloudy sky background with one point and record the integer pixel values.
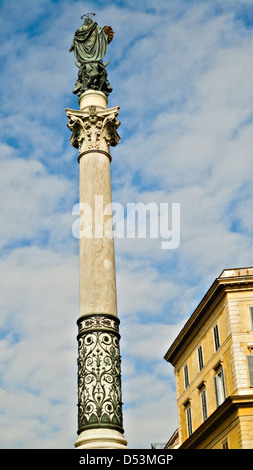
(182, 74)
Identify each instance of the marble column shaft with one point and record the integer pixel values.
(100, 423)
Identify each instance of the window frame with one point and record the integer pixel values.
(250, 369)
(251, 316)
(225, 444)
(186, 376)
(204, 403)
(200, 358)
(216, 337)
(188, 412)
(220, 386)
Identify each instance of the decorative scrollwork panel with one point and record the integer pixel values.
(99, 373)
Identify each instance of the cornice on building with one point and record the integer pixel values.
(230, 405)
(229, 280)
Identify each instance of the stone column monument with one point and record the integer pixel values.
(94, 131)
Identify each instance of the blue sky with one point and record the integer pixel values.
(181, 72)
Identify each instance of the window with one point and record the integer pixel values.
(186, 376)
(200, 357)
(251, 317)
(250, 369)
(219, 385)
(224, 444)
(189, 419)
(216, 337)
(204, 403)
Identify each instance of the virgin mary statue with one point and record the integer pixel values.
(90, 45)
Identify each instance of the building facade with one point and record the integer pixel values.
(213, 362)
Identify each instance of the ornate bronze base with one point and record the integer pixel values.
(99, 373)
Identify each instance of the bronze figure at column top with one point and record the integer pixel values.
(89, 45)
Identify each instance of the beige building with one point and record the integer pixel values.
(213, 363)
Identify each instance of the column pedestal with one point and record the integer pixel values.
(101, 439)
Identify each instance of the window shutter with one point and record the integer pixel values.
(216, 337)
(186, 376)
(223, 384)
(251, 317)
(200, 357)
(204, 404)
(216, 390)
(225, 444)
(189, 420)
(250, 370)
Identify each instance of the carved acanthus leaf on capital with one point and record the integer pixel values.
(94, 129)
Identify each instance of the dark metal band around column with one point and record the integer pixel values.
(99, 373)
(94, 151)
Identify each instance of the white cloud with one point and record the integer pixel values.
(148, 383)
(150, 341)
(141, 289)
(38, 349)
(30, 422)
(153, 418)
(35, 203)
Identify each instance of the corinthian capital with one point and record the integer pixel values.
(93, 128)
